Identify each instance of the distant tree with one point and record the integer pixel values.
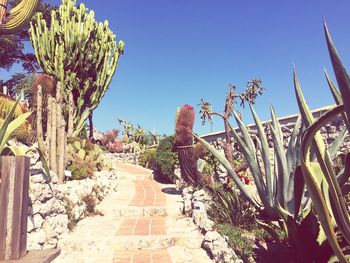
(128, 130)
(253, 89)
(12, 52)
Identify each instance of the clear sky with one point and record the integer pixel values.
(179, 51)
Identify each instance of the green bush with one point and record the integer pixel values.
(84, 158)
(166, 159)
(238, 241)
(147, 158)
(81, 169)
(229, 207)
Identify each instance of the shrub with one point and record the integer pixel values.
(166, 159)
(90, 202)
(81, 169)
(109, 137)
(115, 147)
(238, 241)
(69, 210)
(229, 207)
(147, 158)
(83, 153)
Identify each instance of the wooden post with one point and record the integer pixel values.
(14, 206)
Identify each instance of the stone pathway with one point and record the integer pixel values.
(142, 223)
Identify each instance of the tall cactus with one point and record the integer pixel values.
(54, 145)
(184, 144)
(79, 52)
(17, 17)
(48, 87)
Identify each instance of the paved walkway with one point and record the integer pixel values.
(142, 223)
(147, 194)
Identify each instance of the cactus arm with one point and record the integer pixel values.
(19, 16)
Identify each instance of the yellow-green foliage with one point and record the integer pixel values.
(83, 158)
(147, 158)
(22, 133)
(81, 169)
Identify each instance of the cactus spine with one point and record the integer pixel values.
(18, 16)
(80, 53)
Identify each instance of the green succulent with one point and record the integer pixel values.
(80, 149)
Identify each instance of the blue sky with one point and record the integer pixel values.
(177, 52)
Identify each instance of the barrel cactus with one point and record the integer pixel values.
(184, 144)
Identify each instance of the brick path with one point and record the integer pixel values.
(142, 222)
(148, 193)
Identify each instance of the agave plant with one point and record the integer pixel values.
(280, 185)
(274, 183)
(329, 204)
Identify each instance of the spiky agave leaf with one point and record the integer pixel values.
(221, 158)
(334, 147)
(281, 161)
(340, 73)
(323, 209)
(265, 154)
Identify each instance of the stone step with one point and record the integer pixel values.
(136, 211)
(156, 242)
(127, 176)
(180, 254)
(175, 254)
(138, 256)
(143, 242)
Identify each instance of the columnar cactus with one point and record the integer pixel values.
(54, 142)
(48, 88)
(17, 17)
(184, 144)
(79, 53)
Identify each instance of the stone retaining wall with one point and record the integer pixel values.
(329, 133)
(54, 208)
(195, 204)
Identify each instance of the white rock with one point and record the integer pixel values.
(52, 206)
(35, 240)
(78, 211)
(201, 195)
(199, 213)
(55, 226)
(208, 225)
(41, 192)
(34, 222)
(39, 178)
